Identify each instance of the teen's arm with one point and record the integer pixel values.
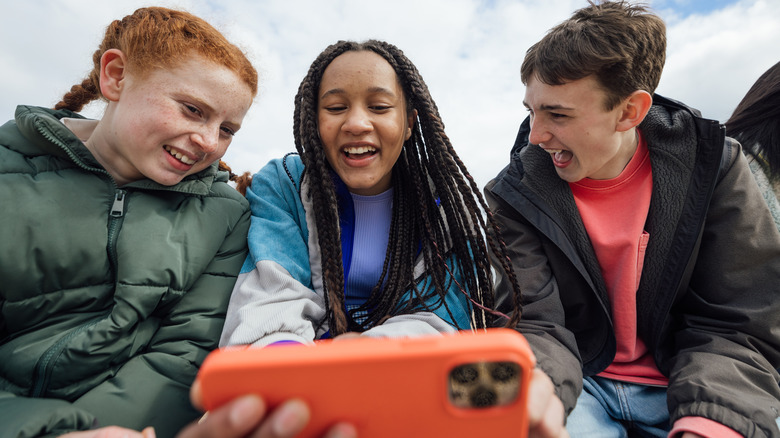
(727, 347)
(273, 299)
(543, 319)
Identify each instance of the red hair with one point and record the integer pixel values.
(157, 37)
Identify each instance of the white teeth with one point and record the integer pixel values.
(179, 156)
(359, 149)
(184, 159)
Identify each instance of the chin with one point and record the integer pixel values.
(570, 174)
(564, 176)
(169, 181)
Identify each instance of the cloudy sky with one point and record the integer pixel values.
(468, 51)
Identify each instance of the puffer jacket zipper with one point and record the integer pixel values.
(46, 362)
(116, 215)
(115, 219)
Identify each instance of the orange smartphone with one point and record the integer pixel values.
(457, 385)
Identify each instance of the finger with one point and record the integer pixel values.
(348, 335)
(196, 395)
(286, 421)
(342, 430)
(235, 419)
(551, 424)
(108, 432)
(540, 391)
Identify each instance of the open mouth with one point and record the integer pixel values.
(560, 155)
(359, 151)
(179, 156)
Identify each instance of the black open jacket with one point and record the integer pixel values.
(706, 303)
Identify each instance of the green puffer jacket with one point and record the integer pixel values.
(110, 298)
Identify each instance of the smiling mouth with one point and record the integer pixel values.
(179, 156)
(359, 151)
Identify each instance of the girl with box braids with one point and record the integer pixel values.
(437, 208)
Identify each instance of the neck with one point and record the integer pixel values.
(630, 142)
(99, 148)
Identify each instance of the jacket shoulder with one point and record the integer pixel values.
(731, 150)
(35, 135)
(37, 127)
(289, 167)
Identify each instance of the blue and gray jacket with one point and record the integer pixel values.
(279, 293)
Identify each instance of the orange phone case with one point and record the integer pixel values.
(385, 387)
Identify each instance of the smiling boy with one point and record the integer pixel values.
(648, 261)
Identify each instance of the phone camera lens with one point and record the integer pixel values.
(465, 374)
(504, 371)
(483, 398)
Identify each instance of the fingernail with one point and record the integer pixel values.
(289, 420)
(245, 409)
(343, 430)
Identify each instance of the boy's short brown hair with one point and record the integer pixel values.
(622, 45)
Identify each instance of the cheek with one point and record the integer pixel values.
(223, 147)
(398, 133)
(331, 152)
(328, 135)
(163, 123)
(327, 128)
(133, 122)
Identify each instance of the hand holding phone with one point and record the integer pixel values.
(466, 384)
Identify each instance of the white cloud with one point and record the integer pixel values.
(714, 59)
(468, 51)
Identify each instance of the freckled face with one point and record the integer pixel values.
(172, 122)
(570, 123)
(362, 120)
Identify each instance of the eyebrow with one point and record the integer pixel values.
(372, 90)
(545, 107)
(199, 101)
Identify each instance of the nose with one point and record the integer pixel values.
(207, 139)
(357, 122)
(539, 133)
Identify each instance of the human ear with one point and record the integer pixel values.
(410, 124)
(112, 73)
(635, 108)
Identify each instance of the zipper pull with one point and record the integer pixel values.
(118, 209)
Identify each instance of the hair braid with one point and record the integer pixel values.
(381, 305)
(323, 194)
(443, 168)
(80, 95)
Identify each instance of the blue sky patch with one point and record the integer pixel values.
(685, 8)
